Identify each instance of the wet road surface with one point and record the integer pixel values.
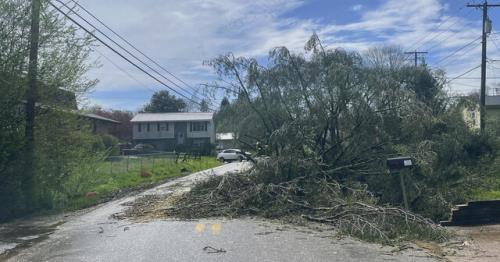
(94, 235)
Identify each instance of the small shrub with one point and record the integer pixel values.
(145, 174)
(111, 143)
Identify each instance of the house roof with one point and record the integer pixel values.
(172, 117)
(94, 116)
(492, 101)
(224, 136)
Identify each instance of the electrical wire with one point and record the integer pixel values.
(127, 51)
(465, 73)
(123, 70)
(465, 52)
(458, 50)
(133, 46)
(441, 32)
(121, 55)
(435, 29)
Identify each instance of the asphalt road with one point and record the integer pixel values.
(93, 235)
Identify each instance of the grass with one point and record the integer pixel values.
(490, 190)
(114, 177)
(488, 195)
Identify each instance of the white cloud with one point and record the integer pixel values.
(182, 34)
(356, 7)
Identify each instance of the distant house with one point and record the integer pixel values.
(492, 107)
(225, 140)
(100, 125)
(174, 131)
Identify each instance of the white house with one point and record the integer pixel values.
(225, 140)
(174, 131)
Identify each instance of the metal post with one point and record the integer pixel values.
(127, 162)
(403, 189)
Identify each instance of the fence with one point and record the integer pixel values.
(132, 163)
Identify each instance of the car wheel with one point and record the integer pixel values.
(240, 158)
(222, 160)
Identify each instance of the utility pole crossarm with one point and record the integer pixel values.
(481, 5)
(416, 53)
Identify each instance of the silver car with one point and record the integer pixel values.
(232, 155)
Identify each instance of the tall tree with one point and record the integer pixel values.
(123, 131)
(224, 103)
(203, 106)
(63, 60)
(163, 102)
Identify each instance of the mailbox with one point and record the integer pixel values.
(397, 163)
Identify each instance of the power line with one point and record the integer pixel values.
(478, 78)
(495, 43)
(123, 70)
(441, 32)
(121, 55)
(127, 51)
(458, 50)
(133, 46)
(464, 53)
(435, 29)
(460, 76)
(466, 85)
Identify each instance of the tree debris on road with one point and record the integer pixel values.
(350, 209)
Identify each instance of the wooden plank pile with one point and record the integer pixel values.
(475, 213)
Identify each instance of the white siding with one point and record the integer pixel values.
(153, 131)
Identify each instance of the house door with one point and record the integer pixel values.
(180, 138)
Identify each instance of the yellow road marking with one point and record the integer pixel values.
(216, 229)
(199, 228)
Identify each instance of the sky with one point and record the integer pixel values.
(180, 35)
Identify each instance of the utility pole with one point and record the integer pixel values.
(416, 53)
(486, 30)
(31, 97)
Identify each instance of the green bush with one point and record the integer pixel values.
(110, 143)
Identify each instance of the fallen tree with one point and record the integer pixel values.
(328, 120)
(350, 209)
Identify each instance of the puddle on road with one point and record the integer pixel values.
(18, 236)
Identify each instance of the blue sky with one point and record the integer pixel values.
(180, 35)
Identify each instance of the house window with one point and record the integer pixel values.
(198, 126)
(160, 127)
(139, 127)
(148, 127)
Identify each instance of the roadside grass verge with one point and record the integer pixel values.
(109, 179)
(489, 190)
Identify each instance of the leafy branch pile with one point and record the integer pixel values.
(351, 209)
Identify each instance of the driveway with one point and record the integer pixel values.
(95, 235)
